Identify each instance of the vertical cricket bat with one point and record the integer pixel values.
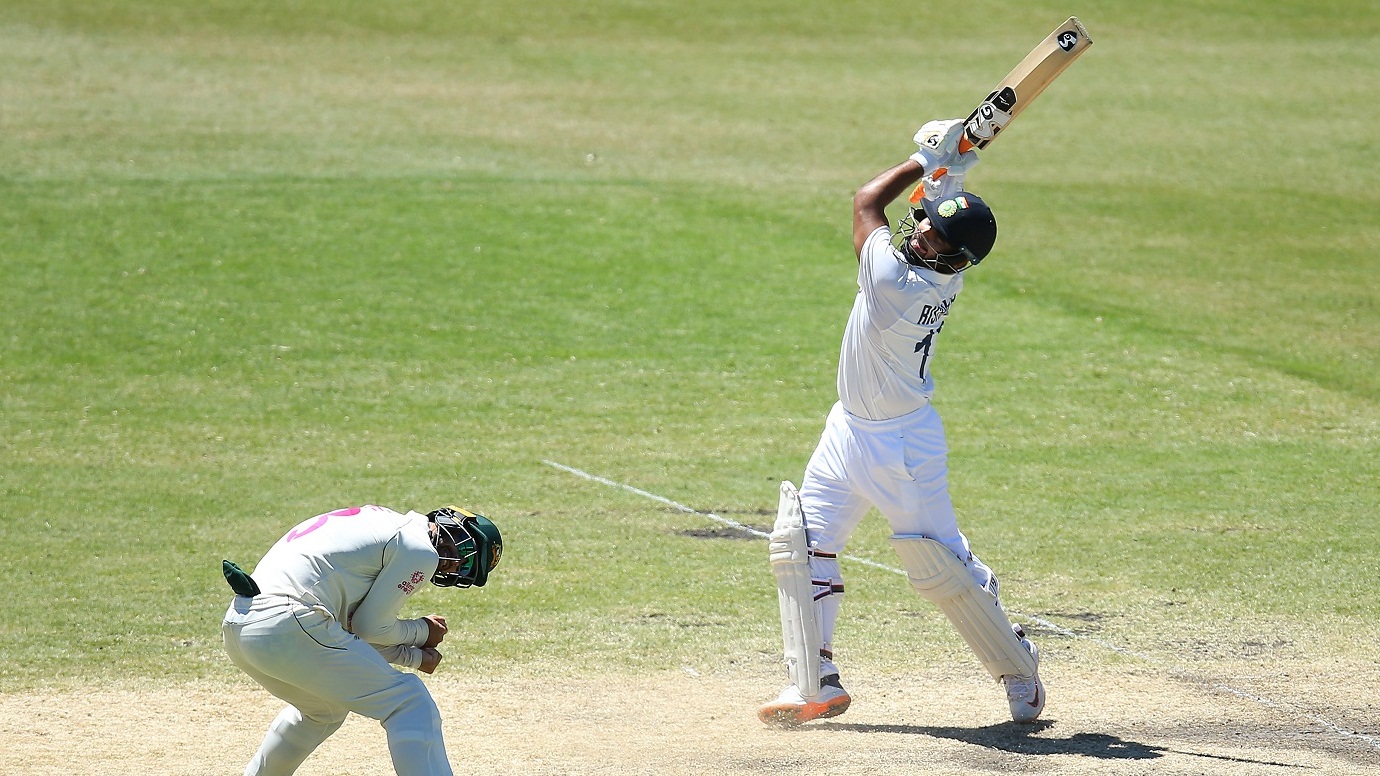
(1019, 88)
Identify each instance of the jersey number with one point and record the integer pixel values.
(925, 345)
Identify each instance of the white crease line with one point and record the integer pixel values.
(1375, 742)
(865, 561)
(654, 497)
(1372, 740)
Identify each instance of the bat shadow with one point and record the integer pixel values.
(1022, 739)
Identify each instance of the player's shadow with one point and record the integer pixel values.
(1021, 739)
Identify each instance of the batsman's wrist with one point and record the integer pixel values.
(924, 161)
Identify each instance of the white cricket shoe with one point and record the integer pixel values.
(1026, 694)
(791, 708)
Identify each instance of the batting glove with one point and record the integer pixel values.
(938, 141)
(951, 182)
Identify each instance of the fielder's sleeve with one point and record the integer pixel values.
(401, 655)
(407, 565)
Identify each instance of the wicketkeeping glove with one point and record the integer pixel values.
(938, 141)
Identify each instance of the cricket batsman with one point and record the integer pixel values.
(317, 625)
(883, 444)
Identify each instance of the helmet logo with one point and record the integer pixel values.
(947, 208)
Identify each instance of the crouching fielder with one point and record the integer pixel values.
(883, 444)
(317, 625)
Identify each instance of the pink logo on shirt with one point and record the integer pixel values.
(410, 585)
(321, 520)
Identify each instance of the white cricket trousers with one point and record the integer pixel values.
(900, 466)
(304, 657)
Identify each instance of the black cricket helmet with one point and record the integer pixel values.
(471, 540)
(963, 220)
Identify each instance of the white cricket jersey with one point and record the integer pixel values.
(888, 345)
(360, 564)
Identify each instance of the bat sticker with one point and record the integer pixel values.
(1004, 100)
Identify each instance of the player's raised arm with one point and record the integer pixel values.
(869, 204)
(938, 146)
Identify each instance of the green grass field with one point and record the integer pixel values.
(264, 260)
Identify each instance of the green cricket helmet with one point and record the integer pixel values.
(470, 540)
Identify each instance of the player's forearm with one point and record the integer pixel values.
(389, 631)
(890, 184)
(869, 204)
(401, 655)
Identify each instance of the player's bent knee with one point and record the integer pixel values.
(415, 740)
(416, 712)
(940, 577)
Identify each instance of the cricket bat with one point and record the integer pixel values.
(1019, 88)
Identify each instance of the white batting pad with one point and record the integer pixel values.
(941, 578)
(801, 638)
